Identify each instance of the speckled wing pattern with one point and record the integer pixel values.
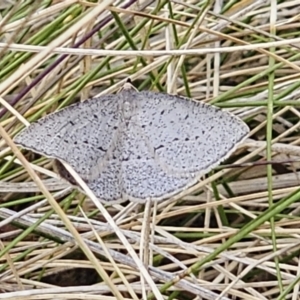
(136, 145)
(176, 140)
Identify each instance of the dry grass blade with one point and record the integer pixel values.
(235, 234)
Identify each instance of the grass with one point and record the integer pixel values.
(235, 234)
